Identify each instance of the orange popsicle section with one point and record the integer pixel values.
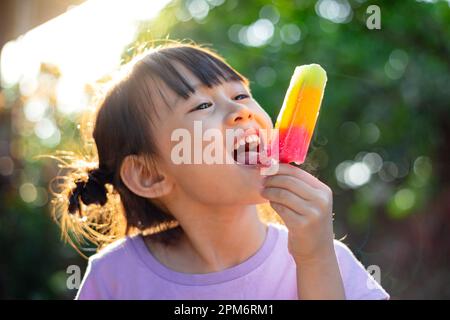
(298, 115)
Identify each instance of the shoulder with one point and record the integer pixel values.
(342, 250)
(117, 256)
(114, 251)
(106, 267)
(346, 258)
(358, 282)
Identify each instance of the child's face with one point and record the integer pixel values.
(228, 106)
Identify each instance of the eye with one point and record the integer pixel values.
(202, 106)
(242, 95)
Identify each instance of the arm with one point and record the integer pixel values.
(319, 279)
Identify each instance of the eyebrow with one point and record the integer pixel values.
(195, 87)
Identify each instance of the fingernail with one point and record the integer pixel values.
(271, 169)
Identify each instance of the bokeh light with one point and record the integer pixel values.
(373, 161)
(290, 33)
(404, 199)
(6, 166)
(198, 9)
(352, 174)
(396, 64)
(270, 12)
(337, 11)
(35, 109)
(28, 192)
(257, 34)
(266, 76)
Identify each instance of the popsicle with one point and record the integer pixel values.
(299, 112)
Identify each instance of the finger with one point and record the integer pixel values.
(293, 184)
(288, 169)
(289, 217)
(288, 199)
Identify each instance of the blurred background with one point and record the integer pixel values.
(381, 141)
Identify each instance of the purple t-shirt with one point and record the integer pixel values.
(126, 269)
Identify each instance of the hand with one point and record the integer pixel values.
(305, 204)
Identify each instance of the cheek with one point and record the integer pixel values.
(263, 118)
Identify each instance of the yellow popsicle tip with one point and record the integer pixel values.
(313, 74)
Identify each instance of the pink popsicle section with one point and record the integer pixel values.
(293, 145)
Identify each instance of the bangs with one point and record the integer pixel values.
(205, 65)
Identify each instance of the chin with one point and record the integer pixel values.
(260, 200)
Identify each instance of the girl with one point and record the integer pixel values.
(199, 231)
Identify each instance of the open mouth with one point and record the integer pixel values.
(248, 150)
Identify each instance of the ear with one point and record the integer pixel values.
(137, 176)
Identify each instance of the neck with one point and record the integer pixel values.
(214, 238)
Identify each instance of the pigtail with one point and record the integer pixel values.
(91, 191)
(85, 203)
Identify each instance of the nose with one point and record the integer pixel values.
(240, 114)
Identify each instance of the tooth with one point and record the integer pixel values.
(236, 145)
(242, 142)
(248, 139)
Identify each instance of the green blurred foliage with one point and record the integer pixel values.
(387, 98)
